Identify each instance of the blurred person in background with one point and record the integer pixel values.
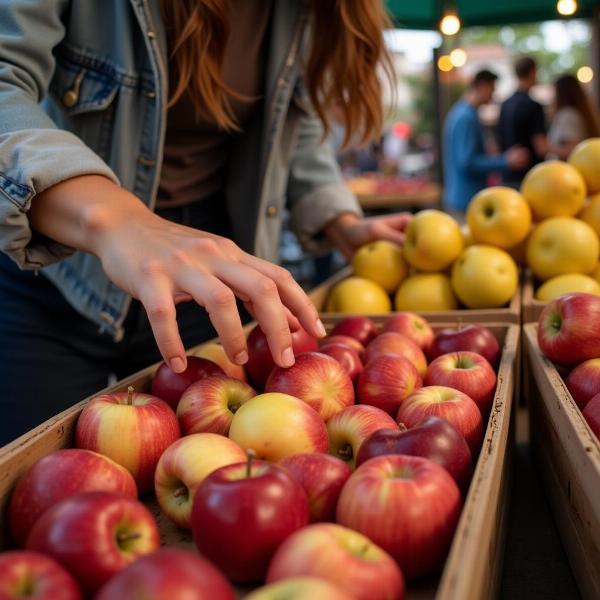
(522, 121)
(575, 117)
(466, 163)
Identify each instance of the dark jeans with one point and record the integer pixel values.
(51, 357)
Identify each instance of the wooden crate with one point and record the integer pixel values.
(532, 308)
(474, 565)
(568, 454)
(508, 314)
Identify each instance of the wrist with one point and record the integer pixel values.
(340, 224)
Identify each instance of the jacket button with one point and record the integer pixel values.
(272, 211)
(70, 98)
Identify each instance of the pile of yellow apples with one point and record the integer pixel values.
(552, 225)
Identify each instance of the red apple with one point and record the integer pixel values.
(184, 465)
(94, 535)
(300, 588)
(474, 338)
(359, 328)
(59, 475)
(346, 356)
(584, 381)
(322, 477)
(318, 380)
(407, 505)
(216, 353)
(169, 574)
(569, 329)
(454, 406)
(131, 428)
(260, 362)
(386, 381)
(243, 512)
(412, 326)
(466, 372)
(591, 414)
(276, 425)
(396, 343)
(208, 405)
(345, 340)
(25, 574)
(352, 426)
(168, 385)
(431, 438)
(341, 556)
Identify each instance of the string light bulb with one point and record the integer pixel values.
(450, 23)
(445, 63)
(458, 57)
(585, 74)
(566, 8)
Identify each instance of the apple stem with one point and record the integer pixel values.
(402, 427)
(251, 456)
(234, 407)
(180, 491)
(128, 537)
(345, 452)
(130, 391)
(364, 549)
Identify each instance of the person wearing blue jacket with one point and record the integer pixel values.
(467, 165)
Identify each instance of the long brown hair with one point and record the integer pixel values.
(341, 71)
(569, 92)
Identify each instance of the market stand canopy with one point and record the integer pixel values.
(426, 14)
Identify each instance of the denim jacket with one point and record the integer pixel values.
(83, 90)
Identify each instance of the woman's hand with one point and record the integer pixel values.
(348, 231)
(162, 263)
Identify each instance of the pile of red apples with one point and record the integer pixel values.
(338, 478)
(569, 335)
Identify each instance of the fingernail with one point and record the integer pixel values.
(177, 365)
(241, 358)
(287, 357)
(321, 328)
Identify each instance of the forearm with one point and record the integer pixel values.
(75, 212)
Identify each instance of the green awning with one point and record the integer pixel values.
(425, 14)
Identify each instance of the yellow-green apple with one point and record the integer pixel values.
(243, 512)
(260, 362)
(317, 379)
(94, 535)
(322, 476)
(380, 261)
(474, 338)
(584, 381)
(300, 588)
(584, 157)
(467, 372)
(412, 326)
(484, 277)
(569, 329)
(591, 414)
(357, 295)
(362, 329)
(184, 465)
(407, 505)
(59, 475)
(569, 283)
(433, 241)
(208, 405)
(131, 428)
(275, 425)
(169, 574)
(426, 291)
(346, 356)
(352, 426)
(396, 343)
(25, 574)
(499, 216)
(386, 381)
(554, 188)
(341, 556)
(168, 385)
(431, 438)
(345, 340)
(562, 245)
(215, 352)
(454, 406)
